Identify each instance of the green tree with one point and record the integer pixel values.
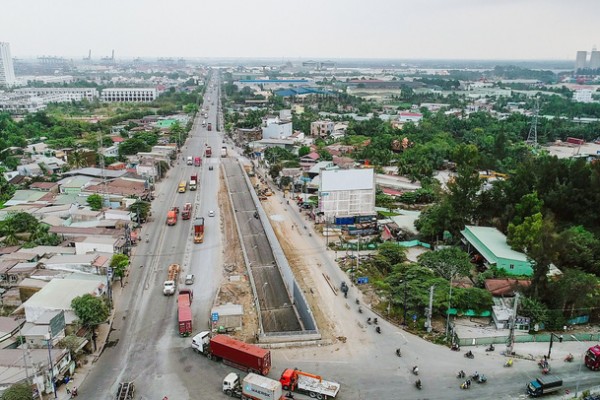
(303, 150)
(579, 248)
(95, 202)
(447, 262)
(388, 255)
(534, 309)
(18, 391)
(141, 209)
(524, 236)
(90, 310)
(119, 263)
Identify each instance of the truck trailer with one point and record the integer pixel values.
(171, 283)
(184, 312)
(254, 387)
(310, 384)
(199, 230)
(233, 352)
(544, 385)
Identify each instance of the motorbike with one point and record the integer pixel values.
(455, 347)
(461, 374)
(357, 301)
(509, 363)
(475, 376)
(375, 321)
(491, 348)
(415, 370)
(360, 309)
(465, 385)
(378, 329)
(369, 321)
(418, 384)
(569, 357)
(470, 355)
(482, 379)
(398, 353)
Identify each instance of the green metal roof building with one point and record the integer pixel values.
(491, 244)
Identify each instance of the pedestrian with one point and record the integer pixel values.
(68, 387)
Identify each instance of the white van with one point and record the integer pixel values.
(190, 161)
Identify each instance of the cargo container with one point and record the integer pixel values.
(208, 152)
(194, 182)
(184, 311)
(254, 387)
(544, 385)
(233, 352)
(310, 384)
(199, 230)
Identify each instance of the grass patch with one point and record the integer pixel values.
(388, 213)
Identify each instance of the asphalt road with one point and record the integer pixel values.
(145, 347)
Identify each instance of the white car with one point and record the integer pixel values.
(211, 213)
(189, 279)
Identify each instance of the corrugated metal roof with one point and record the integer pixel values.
(495, 241)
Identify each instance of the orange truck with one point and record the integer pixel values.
(171, 283)
(310, 384)
(187, 211)
(171, 217)
(199, 230)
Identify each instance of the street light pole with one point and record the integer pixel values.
(579, 372)
(448, 312)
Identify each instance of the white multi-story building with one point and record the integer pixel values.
(346, 192)
(7, 70)
(321, 128)
(583, 96)
(61, 95)
(274, 128)
(17, 103)
(129, 95)
(580, 60)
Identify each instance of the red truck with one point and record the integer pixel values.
(172, 217)
(592, 358)
(199, 230)
(193, 182)
(209, 126)
(197, 161)
(184, 305)
(187, 211)
(238, 354)
(208, 152)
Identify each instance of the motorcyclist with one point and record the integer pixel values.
(415, 370)
(418, 383)
(378, 330)
(469, 354)
(398, 353)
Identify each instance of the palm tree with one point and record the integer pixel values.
(77, 159)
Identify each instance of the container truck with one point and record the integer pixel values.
(209, 126)
(184, 311)
(238, 354)
(194, 182)
(253, 387)
(592, 358)
(544, 385)
(310, 384)
(223, 152)
(171, 282)
(171, 217)
(187, 211)
(182, 187)
(208, 151)
(126, 391)
(199, 230)
(197, 161)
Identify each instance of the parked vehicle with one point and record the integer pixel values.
(171, 217)
(197, 161)
(189, 160)
(254, 387)
(233, 352)
(544, 385)
(592, 358)
(182, 187)
(184, 311)
(199, 230)
(194, 182)
(187, 211)
(310, 384)
(126, 391)
(223, 152)
(171, 283)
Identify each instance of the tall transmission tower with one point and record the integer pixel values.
(532, 136)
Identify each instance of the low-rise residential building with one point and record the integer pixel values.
(583, 96)
(61, 95)
(90, 263)
(321, 128)
(277, 129)
(307, 161)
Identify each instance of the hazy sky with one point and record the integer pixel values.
(289, 29)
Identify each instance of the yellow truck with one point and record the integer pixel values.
(182, 187)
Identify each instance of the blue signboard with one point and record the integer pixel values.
(362, 280)
(414, 317)
(215, 317)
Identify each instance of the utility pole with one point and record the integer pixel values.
(101, 156)
(513, 321)
(448, 312)
(430, 309)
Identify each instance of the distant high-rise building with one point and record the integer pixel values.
(595, 59)
(7, 70)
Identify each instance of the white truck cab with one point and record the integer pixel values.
(190, 161)
(169, 288)
(200, 341)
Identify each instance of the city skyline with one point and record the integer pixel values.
(431, 29)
